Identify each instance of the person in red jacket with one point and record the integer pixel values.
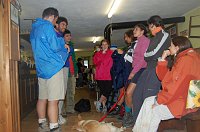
(175, 77)
(103, 62)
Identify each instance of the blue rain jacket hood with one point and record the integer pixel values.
(49, 52)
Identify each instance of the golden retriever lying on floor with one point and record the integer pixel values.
(95, 126)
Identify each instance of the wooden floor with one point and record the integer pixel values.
(30, 124)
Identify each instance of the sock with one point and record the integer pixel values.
(42, 120)
(53, 125)
(127, 109)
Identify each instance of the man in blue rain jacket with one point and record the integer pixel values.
(50, 54)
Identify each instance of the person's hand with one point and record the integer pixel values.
(154, 105)
(67, 47)
(165, 54)
(98, 49)
(120, 51)
(131, 75)
(155, 102)
(104, 51)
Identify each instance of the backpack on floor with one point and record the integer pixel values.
(83, 105)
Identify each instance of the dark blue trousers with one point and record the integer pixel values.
(147, 85)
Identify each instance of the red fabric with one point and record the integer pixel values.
(161, 69)
(71, 66)
(103, 63)
(175, 83)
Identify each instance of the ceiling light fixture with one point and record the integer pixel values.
(95, 39)
(113, 8)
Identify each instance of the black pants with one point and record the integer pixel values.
(105, 87)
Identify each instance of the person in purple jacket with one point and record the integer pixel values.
(138, 64)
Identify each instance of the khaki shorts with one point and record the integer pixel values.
(53, 88)
(66, 74)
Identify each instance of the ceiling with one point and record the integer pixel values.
(88, 18)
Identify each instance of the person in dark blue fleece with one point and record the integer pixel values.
(50, 54)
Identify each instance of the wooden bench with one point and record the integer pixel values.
(190, 123)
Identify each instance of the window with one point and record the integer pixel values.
(86, 63)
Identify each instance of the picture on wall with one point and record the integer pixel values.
(194, 27)
(172, 30)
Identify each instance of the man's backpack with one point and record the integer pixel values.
(83, 105)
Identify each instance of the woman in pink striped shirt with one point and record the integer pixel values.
(138, 64)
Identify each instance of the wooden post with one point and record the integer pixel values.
(9, 55)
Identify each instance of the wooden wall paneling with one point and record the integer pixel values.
(23, 100)
(14, 94)
(28, 92)
(5, 101)
(20, 94)
(14, 46)
(9, 101)
(14, 57)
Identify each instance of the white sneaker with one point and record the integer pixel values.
(57, 129)
(43, 127)
(61, 120)
(98, 106)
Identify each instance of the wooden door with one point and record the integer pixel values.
(9, 55)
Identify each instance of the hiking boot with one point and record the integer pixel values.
(125, 117)
(104, 110)
(61, 120)
(57, 129)
(116, 111)
(43, 127)
(119, 118)
(98, 106)
(128, 120)
(129, 123)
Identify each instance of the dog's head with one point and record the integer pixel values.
(80, 123)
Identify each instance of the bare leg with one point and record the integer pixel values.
(41, 108)
(122, 99)
(103, 100)
(53, 111)
(129, 94)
